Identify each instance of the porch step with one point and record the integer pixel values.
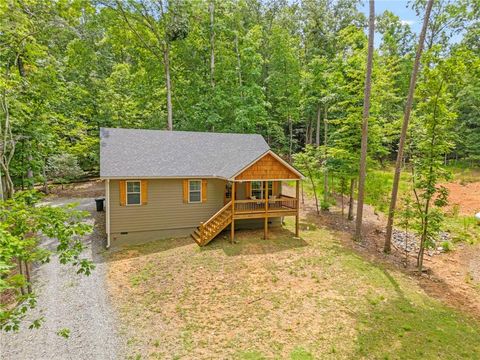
(207, 231)
(196, 238)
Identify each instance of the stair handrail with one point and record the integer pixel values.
(225, 207)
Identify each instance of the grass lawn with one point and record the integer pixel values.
(282, 298)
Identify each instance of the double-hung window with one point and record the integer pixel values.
(195, 191)
(133, 193)
(257, 189)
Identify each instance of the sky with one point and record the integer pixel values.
(399, 8)
(404, 12)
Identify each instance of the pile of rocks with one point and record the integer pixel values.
(405, 241)
(410, 243)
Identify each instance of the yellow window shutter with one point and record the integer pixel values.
(144, 191)
(204, 190)
(248, 187)
(185, 191)
(123, 192)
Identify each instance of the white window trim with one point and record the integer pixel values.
(126, 192)
(262, 188)
(201, 195)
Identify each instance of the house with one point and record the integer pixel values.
(161, 184)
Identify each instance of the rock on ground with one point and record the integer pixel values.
(71, 301)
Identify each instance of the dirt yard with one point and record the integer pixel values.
(279, 298)
(464, 196)
(90, 188)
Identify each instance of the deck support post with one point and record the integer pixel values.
(265, 235)
(297, 217)
(232, 225)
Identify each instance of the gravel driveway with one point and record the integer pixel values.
(72, 301)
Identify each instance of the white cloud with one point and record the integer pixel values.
(408, 22)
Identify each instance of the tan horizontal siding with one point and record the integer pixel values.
(165, 208)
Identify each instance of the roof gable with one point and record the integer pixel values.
(132, 153)
(268, 167)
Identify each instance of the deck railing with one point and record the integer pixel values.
(258, 205)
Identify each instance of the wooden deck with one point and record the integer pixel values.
(258, 209)
(270, 168)
(245, 209)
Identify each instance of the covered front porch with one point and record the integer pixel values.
(255, 193)
(265, 207)
(264, 181)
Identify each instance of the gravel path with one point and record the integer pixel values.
(72, 301)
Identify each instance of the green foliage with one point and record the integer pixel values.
(24, 222)
(285, 70)
(65, 333)
(63, 168)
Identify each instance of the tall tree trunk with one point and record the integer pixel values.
(403, 134)
(317, 134)
(325, 145)
(314, 188)
(27, 276)
(166, 63)
(366, 112)
(290, 130)
(303, 195)
(7, 146)
(239, 62)
(212, 42)
(20, 66)
(45, 180)
(350, 201)
(310, 133)
(1, 185)
(20, 271)
(307, 133)
(30, 171)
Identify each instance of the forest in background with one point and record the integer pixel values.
(291, 71)
(294, 71)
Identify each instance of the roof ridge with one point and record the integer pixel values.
(182, 131)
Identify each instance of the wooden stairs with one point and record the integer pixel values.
(207, 231)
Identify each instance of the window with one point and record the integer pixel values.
(228, 190)
(133, 193)
(258, 187)
(194, 191)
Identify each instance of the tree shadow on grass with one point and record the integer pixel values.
(251, 242)
(400, 328)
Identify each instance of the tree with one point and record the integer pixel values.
(366, 110)
(283, 85)
(155, 26)
(307, 162)
(403, 134)
(24, 223)
(63, 168)
(432, 138)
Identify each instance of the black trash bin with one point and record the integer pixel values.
(100, 202)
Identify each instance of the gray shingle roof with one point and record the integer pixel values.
(158, 153)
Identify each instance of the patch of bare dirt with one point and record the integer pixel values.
(464, 196)
(91, 188)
